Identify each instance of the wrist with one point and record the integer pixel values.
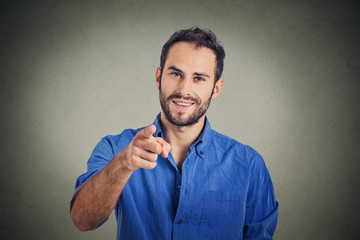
(121, 163)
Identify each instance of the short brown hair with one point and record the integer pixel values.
(201, 38)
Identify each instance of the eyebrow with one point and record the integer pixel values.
(195, 73)
(175, 69)
(202, 74)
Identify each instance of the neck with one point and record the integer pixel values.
(181, 137)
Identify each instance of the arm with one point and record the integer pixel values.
(261, 206)
(95, 200)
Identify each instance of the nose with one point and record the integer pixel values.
(185, 86)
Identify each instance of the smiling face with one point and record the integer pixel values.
(186, 84)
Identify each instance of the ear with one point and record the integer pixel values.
(217, 88)
(158, 77)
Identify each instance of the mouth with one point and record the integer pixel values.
(182, 104)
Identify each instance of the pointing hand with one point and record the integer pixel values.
(144, 149)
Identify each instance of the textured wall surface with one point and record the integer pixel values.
(72, 72)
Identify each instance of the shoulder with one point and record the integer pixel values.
(238, 150)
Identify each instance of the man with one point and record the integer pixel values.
(178, 178)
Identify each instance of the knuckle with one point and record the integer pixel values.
(150, 165)
(136, 141)
(134, 161)
(153, 157)
(135, 151)
(158, 148)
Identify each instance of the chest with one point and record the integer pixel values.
(199, 201)
(179, 156)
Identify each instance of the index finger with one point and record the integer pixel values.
(148, 131)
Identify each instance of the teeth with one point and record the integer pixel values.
(183, 104)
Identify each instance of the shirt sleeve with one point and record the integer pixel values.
(99, 158)
(261, 206)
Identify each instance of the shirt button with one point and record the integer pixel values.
(201, 152)
(179, 188)
(180, 221)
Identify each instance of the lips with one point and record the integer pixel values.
(182, 103)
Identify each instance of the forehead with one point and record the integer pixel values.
(187, 57)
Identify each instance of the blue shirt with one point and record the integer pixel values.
(224, 191)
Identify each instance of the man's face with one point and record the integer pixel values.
(186, 85)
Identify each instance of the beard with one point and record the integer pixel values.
(177, 118)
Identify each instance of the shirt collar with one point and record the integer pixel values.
(202, 141)
(158, 132)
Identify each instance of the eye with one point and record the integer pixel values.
(176, 74)
(199, 79)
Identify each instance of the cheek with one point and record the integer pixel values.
(204, 93)
(168, 87)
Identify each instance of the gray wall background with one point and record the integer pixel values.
(74, 71)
